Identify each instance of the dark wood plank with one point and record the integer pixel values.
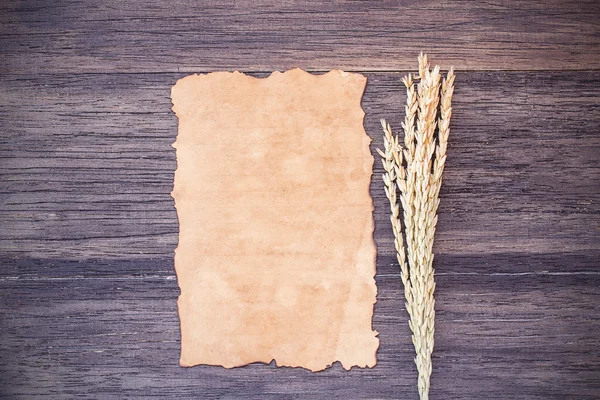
(179, 35)
(87, 168)
(518, 337)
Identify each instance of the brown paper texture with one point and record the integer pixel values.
(276, 259)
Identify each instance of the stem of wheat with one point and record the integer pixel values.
(416, 171)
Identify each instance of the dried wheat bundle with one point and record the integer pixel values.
(415, 169)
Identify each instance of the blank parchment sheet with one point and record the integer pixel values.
(276, 259)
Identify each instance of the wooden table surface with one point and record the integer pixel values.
(88, 228)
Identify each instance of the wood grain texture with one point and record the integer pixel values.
(88, 168)
(509, 337)
(181, 35)
(88, 288)
(88, 228)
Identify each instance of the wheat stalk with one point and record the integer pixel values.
(416, 170)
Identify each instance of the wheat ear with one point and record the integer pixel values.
(416, 171)
(392, 164)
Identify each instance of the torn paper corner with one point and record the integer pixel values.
(276, 258)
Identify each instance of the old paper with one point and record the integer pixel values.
(276, 258)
